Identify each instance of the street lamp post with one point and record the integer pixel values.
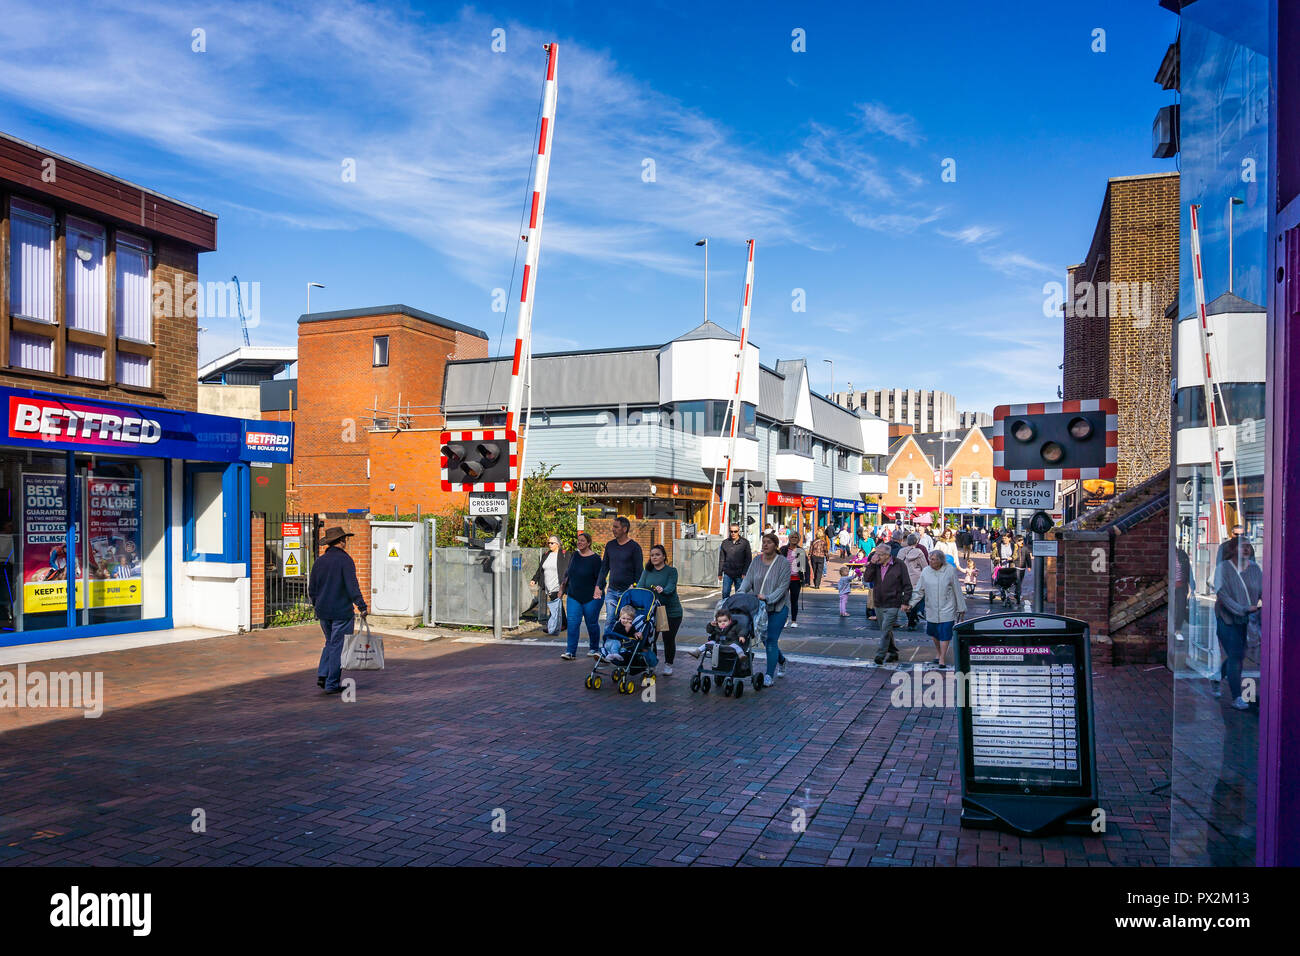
(831, 393)
(705, 243)
(310, 285)
(1233, 201)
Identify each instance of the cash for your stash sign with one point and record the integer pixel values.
(42, 420)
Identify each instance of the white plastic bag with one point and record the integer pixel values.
(363, 651)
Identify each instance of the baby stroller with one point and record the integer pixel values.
(638, 653)
(723, 666)
(1004, 584)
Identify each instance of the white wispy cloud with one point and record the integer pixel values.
(1017, 264)
(881, 119)
(972, 235)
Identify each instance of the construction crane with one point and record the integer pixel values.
(239, 297)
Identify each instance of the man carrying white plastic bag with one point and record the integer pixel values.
(363, 651)
(333, 590)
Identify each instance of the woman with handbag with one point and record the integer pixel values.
(768, 577)
(661, 577)
(550, 575)
(579, 588)
(1239, 586)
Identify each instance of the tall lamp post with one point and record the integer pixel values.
(1232, 201)
(831, 393)
(705, 243)
(310, 286)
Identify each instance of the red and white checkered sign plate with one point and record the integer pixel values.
(502, 436)
(1103, 469)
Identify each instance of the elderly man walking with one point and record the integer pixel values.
(333, 590)
(892, 591)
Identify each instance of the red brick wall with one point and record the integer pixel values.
(1083, 592)
(358, 547)
(644, 533)
(338, 385)
(257, 582)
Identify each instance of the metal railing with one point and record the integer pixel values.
(287, 568)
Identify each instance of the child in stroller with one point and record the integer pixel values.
(1004, 583)
(629, 643)
(727, 658)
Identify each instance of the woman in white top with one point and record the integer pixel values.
(945, 605)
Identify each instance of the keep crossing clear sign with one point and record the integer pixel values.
(1034, 495)
(488, 503)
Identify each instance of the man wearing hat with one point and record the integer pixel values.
(333, 590)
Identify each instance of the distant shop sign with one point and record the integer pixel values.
(779, 499)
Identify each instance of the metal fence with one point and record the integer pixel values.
(696, 560)
(462, 585)
(288, 563)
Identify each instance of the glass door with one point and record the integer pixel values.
(36, 540)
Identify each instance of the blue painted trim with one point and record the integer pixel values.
(18, 639)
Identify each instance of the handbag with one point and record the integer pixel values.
(661, 618)
(363, 651)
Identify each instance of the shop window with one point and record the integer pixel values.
(134, 315)
(31, 262)
(380, 357)
(212, 532)
(87, 285)
(34, 352)
(84, 361)
(134, 369)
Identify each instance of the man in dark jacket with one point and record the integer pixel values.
(892, 588)
(622, 563)
(333, 590)
(733, 561)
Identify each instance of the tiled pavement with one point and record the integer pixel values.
(412, 772)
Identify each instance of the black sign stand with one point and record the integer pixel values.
(1027, 749)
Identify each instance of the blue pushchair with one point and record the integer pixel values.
(638, 653)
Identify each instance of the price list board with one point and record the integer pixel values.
(1026, 721)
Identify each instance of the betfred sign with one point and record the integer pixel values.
(49, 421)
(77, 424)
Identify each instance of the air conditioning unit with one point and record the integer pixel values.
(1164, 132)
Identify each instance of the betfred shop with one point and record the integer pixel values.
(119, 518)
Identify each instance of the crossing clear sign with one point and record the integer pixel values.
(1033, 495)
(488, 503)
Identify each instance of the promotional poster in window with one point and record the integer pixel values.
(113, 526)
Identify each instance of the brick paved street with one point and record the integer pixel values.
(411, 772)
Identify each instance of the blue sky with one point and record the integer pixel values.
(830, 159)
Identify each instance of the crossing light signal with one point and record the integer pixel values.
(481, 460)
(1056, 440)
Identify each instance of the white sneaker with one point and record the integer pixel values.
(595, 654)
(794, 623)
(666, 670)
(697, 653)
(767, 680)
(780, 671)
(1240, 704)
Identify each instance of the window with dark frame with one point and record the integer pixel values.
(380, 352)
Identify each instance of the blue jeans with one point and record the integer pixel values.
(611, 602)
(729, 584)
(331, 656)
(775, 623)
(579, 612)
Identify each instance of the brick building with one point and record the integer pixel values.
(102, 301)
(369, 408)
(123, 507)
(1118, 337)
(913, 467)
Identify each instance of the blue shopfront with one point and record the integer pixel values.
(117, 518)
(835, 513)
